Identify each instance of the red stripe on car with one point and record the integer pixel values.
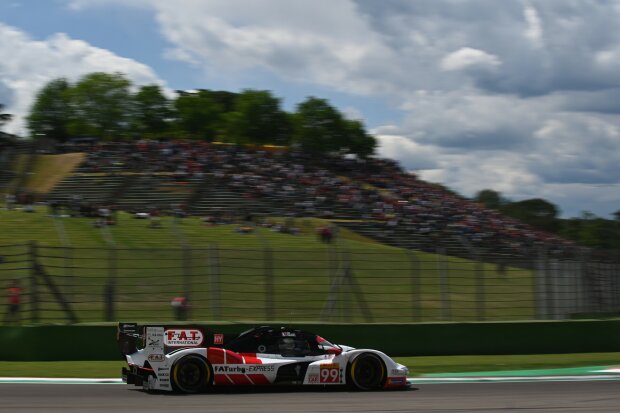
(222, 380)
(240, 379)
(250, 358)
(215, 355)
(259, 379)
(233, 358)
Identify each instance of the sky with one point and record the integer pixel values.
(518, 96)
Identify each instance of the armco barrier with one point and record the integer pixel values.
(48, 343)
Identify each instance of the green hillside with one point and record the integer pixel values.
(257, 276)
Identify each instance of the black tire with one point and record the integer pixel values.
(191, 374)
(367, 372)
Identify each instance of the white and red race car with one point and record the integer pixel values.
(190, 360)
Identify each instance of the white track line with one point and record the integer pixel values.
(410, 380)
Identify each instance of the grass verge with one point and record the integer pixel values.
(417, 365)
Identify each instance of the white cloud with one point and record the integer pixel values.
(517, 95)
(467, 57)
(413, 156)
(26, 65)
(534, 30)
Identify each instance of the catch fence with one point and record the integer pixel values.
(325, 283)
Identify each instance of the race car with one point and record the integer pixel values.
(188, 359)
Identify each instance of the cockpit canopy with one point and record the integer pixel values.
(282, 341)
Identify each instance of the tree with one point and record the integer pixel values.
(4, 117)
(257, 118)
(319, 127)
(151, 111)
(592, 231)
(490, 198)
(226, 100)
(536, 212)
(198, 114)
(49, 115)
(101, 105)
(356, 140)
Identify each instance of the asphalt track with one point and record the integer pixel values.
(530, 397)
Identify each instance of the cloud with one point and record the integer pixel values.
(414, 156)
(26, 65)
(534, 30)
(466, 57)
(517, 95)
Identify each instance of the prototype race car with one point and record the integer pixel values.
(191, 360)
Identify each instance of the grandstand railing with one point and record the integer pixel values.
(331, 283)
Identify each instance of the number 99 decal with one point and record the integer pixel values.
(330, 373)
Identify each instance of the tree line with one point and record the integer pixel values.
(107, 106)
(587, 229)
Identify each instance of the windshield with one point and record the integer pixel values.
(326, 345)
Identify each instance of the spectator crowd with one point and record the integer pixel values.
(296, 184)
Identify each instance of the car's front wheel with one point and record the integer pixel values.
(191, 374)
(367, 372)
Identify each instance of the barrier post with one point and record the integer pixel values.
(34, 296)
(416, 293)
(269, 285)
(480, 288)
(214, 281)
(187, 279)
(110, 287)
(442, 267)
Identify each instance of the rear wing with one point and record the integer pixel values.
(127, 337)
(163, 339)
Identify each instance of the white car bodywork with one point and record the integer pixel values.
(232, 368)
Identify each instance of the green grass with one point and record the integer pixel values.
(229, 275)
(461, 364)
(417, 365)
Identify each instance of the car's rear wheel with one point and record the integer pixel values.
(191, 374)
(367, 372)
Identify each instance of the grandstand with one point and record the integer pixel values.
(374, 197)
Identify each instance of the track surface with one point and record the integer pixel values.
(556, 397)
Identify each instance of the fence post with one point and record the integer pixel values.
(416, 293)
(34, 296)
(446, 310)
(109, 291)
(187, 279)
(269, 286)
(345, 295)
(480, 288)
(68, 256)
(545, 291)
(214, 281)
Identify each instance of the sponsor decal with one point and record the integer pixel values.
(183, 338)
(218, 338)
(154, 339)
(330, 373)
(288, 334)
(242, 369)
(395, 372)
(262, 348)
(156, 357)
(397, 380)
(162, 368)
(313, 378)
